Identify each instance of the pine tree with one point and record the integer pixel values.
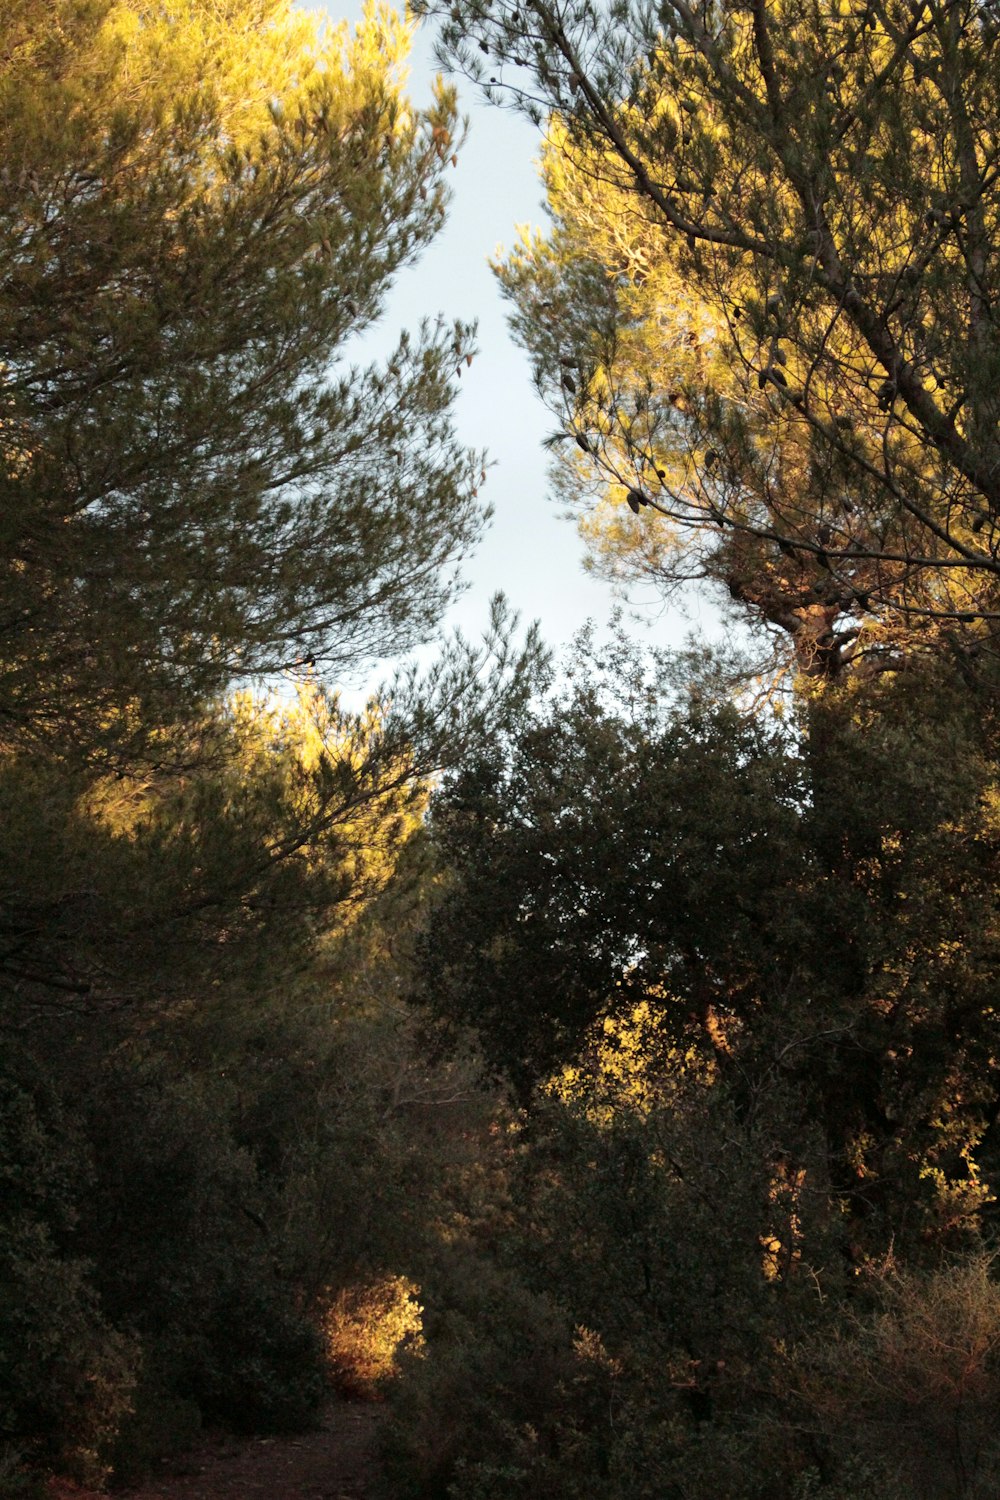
(767, 308)
(201, 206)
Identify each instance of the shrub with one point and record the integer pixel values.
(912, 1383)
(494, 1391)
(366, 1328)
(66, 1376)
(160, 1424)
(17, 1481)
(184, 1257)
(261, 1368)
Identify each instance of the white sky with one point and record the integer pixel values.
(530, 552)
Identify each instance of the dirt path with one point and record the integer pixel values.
(334, 1463)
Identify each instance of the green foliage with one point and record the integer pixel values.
(765, 307)
(159, 1425)
(494, 1377)
(908, 1382)
(265, 824)
(66, 1376)
(222, 1182)
(819, 913)
(739, 966)
(263, 1365)
(201, 209)
(17, 1481)
(777, 1068)
(627, 1338)
(542, 930)
(202, 204)
(684, 1292)
(263, 1136)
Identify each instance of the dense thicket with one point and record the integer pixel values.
(745, 980)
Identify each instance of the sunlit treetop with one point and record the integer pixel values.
(201, 205)
(767, 308)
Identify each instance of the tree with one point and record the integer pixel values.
(200, 207)
(767, 308)
(817, 920)
(269, 824)
(202, 203)
(606, 851)
(745, 982)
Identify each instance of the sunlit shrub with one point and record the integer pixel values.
(366, 1328)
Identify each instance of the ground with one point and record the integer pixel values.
(334, 1463)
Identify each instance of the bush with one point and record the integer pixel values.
(66, 1376)
(262, 1368)
(17, 1481)
(498, 1399)
(366, 1328)
(183, 1256)
(159, 1425)
(912, 1384)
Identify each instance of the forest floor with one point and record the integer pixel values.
(336, 1462)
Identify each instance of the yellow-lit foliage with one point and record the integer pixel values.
(630, 1064)
(244, 63)
(675, 372)
(764, 309)
(781, 1256)
(326, 770)
(338, 768)
(632, 1067)
(366, 1328)
(202, 203)
(191, 96)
